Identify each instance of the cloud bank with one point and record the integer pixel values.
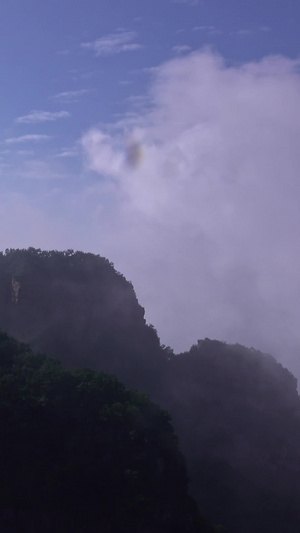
(205, 222)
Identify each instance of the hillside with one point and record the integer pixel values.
(76, 307)
(236, 411)
(80, 453)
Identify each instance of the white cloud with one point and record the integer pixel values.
(109, 161)
(67, 153)
(204, 28)
(35, 137)
(207, 219)
(113, 43)
(70, 97)
(34, 117)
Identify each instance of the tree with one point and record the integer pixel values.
(80, 452)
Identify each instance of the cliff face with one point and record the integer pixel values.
(76, 307)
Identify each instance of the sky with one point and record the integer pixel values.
(163, 135)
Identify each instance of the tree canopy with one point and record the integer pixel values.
(237, 412)
(79, 452)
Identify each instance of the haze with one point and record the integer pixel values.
(166, 138)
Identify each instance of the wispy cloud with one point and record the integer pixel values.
(67, 153)
(35, 137)
(181, 49)
(204, 28)
(70, 97)
(63, 52)
(243, 32)
(211, 30)
(114, 43)
(246, 32)
(34, 117)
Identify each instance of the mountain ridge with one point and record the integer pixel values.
(236, 410)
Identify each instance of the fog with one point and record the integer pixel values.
(194, 197)
(203, 184)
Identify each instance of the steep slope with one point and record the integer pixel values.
(76, 307)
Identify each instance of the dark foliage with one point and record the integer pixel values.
(80, 453)
(237, 413)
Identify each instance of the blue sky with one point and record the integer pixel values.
(163, 135)
(56, 85)
(43, 56)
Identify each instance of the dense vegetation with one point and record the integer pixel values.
(236, 411)
(80, 453)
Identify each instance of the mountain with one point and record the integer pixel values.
(237, 413)
(235, 410)
(77, 308)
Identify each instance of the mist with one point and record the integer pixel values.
(205, 219)
(194, 197)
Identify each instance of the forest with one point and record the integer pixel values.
(105, 429)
